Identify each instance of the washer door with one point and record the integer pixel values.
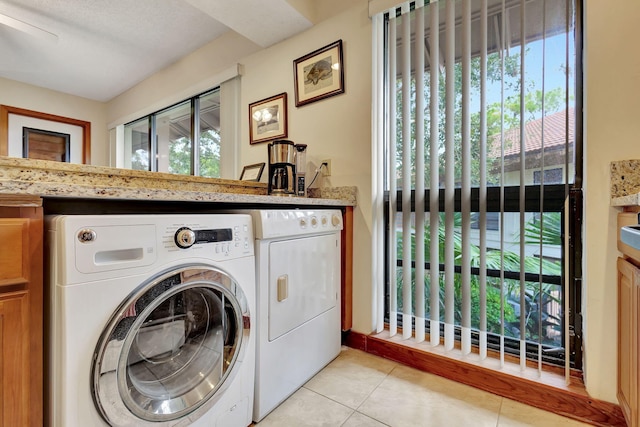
(171, 349)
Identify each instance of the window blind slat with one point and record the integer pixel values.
(541, 211)
(434, 202)
(523, 301)
(483, 181)
(393, 183)
(377, 175)
(503, 51)
(419, 52)
(449, 202)
(405, 58)
(466, 177)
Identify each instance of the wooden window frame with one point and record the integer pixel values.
(5, 110)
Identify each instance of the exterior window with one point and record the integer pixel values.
(209, 135)
(182, 139)
(173, 136)
(493, 221)
(551, 176)
(138, 145)
(477, 136)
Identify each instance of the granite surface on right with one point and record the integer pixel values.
(625, 182)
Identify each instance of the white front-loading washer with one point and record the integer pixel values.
(150, 320)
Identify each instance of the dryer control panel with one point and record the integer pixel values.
(271, 224)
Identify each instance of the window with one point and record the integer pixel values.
(477, 157)
(551, 176)
(182, 139)
(492, 221)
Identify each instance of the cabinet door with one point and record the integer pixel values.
(628, 282)
(21, 312)
(14, 252)
(14, 359)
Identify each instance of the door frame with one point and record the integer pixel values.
(5, 110)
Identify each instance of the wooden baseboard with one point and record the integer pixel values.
(550, 395)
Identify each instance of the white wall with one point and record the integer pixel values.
(16, 94)
(612, 129)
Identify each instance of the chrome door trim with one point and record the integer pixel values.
(114, 394)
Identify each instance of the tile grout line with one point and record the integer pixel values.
(335, 401)
(370, 393)
(499, 412)
(364, 400)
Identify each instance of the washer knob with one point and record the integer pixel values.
(314, 221)
(335, 220)
(185, 237)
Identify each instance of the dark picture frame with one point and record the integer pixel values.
(319, 74)
(252, 172)
(268, 119)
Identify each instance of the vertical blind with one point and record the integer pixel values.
(473, 119)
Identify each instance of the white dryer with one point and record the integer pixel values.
(150, 320)
(298, 300)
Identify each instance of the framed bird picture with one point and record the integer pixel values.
(319, 74)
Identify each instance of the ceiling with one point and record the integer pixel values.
(98, 49)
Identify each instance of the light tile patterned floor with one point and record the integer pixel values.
(361, 390)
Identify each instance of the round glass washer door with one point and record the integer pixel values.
(171, 349)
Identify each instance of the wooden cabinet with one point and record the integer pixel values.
(628, 329)
(21, 311)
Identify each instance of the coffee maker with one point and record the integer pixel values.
(282, 168)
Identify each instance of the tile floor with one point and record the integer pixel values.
(358, 389)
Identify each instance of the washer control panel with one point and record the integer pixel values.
(235, 237)
(185, 237)
(103, 244)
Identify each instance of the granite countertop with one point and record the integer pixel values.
(625, 183)
(57, 179)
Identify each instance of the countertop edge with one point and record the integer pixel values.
(629, 200)
(118, 193)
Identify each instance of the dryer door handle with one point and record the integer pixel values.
(283, 287)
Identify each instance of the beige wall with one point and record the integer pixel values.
(336, 128)
(612, 132)
(16, 94)
(191, 75)
(339, 128)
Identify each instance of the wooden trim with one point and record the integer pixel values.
(20, 200)
(553, 396)
(347, 269)
(5, 110)
(36, 313)
(4, 130)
